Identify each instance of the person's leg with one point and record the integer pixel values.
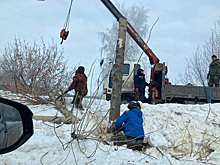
(142, 97)
(130, 143)
(137, 94)
(119, 138)
(74, 97)
(211, 81)
(135, 144)
(138, 145)
(77, 101)
(216, 81)
(80, 101)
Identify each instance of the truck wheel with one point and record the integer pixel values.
(196, 100)
(173, 100)
(108, 97)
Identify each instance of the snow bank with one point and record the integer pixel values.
(178, 134)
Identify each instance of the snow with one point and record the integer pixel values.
(178, 134)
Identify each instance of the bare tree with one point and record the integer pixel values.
(137, 16)
(36, 69)
(197, 67)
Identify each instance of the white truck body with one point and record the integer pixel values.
(129, 71)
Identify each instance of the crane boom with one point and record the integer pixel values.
(132, 32)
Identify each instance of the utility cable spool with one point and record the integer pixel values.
(65, 31)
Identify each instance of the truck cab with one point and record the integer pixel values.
(127, 92)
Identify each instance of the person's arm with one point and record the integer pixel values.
(121, 119)
(73, 84)
(208, 75)
(146, 84)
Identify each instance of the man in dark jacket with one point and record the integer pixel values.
(139, 86)
(214, 72)
(79, 84)
(131, 122)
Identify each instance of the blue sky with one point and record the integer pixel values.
(183, 25)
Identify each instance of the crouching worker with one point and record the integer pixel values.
(131, 122)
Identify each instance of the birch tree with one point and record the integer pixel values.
(197, 66)
(137, 16)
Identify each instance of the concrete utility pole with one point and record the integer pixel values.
(118, 71)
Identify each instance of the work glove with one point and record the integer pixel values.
(117, 130)
(136, 89)
(207, 76)
(113, 127)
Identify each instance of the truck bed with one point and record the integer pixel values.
(187, 92)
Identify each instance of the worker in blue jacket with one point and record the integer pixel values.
(131, 122)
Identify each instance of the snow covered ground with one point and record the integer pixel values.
(178, 134)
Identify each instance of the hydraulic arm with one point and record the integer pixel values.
(132, 32)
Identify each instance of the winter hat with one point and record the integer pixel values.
(214, 56)
(139, 71)
(134, 104)
(81, 69)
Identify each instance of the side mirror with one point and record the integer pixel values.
(16, 125)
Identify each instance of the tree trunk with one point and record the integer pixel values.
(54, 119)
(118, 71)
(63, 109)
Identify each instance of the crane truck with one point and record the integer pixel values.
(160, 90)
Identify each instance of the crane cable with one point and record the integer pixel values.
(66, 24)
(65, 31)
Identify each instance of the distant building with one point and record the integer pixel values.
(7, 83)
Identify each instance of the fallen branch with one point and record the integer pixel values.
(62, 109)
(54, 119)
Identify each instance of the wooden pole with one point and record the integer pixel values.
(118, 71)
